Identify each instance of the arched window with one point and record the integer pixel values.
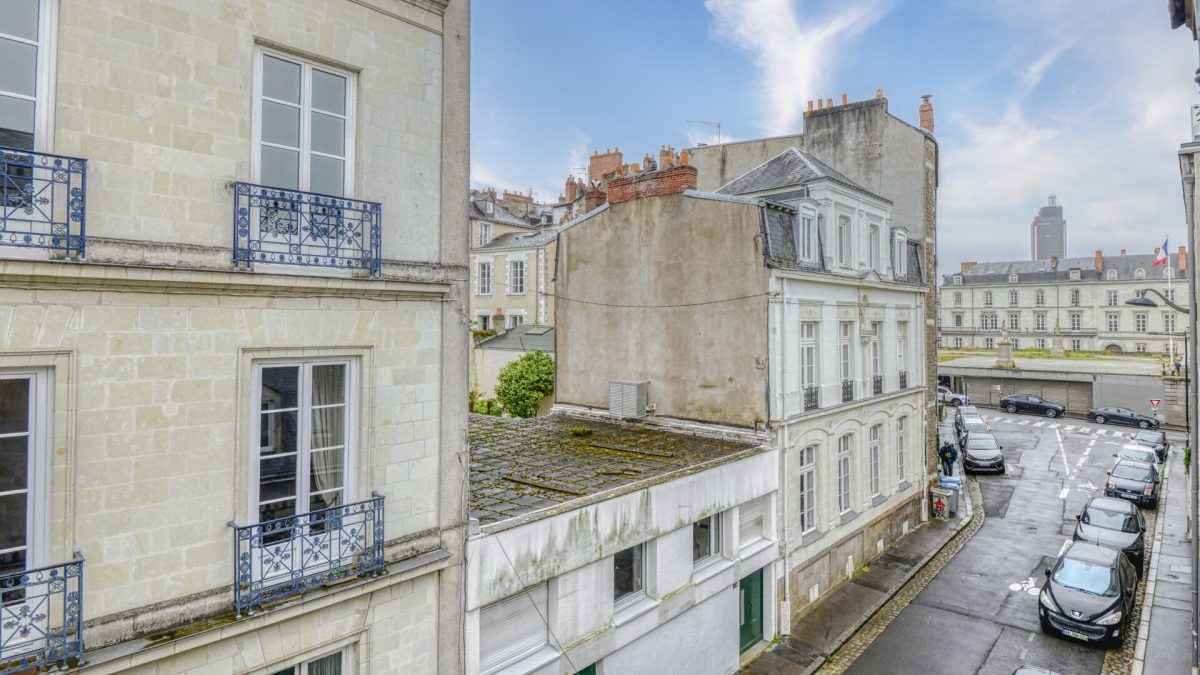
(1139, 273)
(1112, 275)
(1012, 278)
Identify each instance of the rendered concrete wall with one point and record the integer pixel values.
(653, 270)
(702, 640)
(1129, 391)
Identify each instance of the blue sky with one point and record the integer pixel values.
(1030, 97)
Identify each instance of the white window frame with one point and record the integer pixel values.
(844, 473)
(1114, 321)
(515, 318)
(1014, 321)
(901, 451)
(1041, 343)
(1112, 275)
(876, 352)
(302, 667)
(987, 298)
(1039, 322)
(37, 486)
(1075, 297)
(485, 232)
(714, 540)
(1140, 348)
(1168, 322)
(1039, 297)
(902, 343)
(483, 321)
(1140, 321)
(808, 489)
(900, 253)
(958, 280)
(533, 603)
(958, 298)
(1113, 297)
(809, 371)
(807, 241)
(875, 433)
(1139, 273)
(1012, 278)
(304, 450)
(1076, 321)
(1074, 275)
(483, 281)
(958, 320)
(516, 276)
(1013, 299)
(638, 593)
(1076, 344)
(845, 229)
(44, 79)
(305, 149)
(873, 243)
(846, 349)
(989, 342)
(958, 343)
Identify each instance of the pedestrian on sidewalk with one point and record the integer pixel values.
(1178, 367)
(949, 455)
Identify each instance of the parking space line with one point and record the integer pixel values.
(1023, 422)
(1063, 494)
(1101, 432)
(1069, 427)
(1054, 426)
(1038, 424)
(1065, 546)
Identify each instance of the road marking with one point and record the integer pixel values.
(1091, 442)
(1101, 432)
(1065, 546)
(1069, 427)
(1063, 451)
(1007, 467)
(1119, 434)
(1054, 426)
(1063, 494)
(1082, 459)
(1023, 422)
(1039, 424)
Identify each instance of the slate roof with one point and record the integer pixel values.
(789, 168)
(1040, 272)
(518, 466)
(499, 213)
(524, 338)
(519, 240)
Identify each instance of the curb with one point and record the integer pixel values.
(1143, 634)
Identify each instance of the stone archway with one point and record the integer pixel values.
(1113, 348)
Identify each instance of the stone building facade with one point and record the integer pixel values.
(512, 267)
(233, 336)
(1083, 299)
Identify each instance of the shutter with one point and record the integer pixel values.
(512, 628)
(1079, 397)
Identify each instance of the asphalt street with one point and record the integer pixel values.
(979, 615)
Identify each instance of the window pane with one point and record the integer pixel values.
(14, 463)
(328, 134)
(327, 665)
(286, 671)
(277, 433)
(277, 510)
(702, 539)
(328, 470)
(327, 176)
(328, 92)
(16, 123)
(329, 384)
(12, 521)
(14, 406)
(627, 572)
(19, 74)
(328, 428)
(280, 168)
(279, 387)
(20, 18)
(277, 478)
(281, 79)
(325, 501)
(281, 124)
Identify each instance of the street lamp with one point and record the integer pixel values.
(1187, 175)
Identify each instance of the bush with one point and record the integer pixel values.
(524, 383)
(483, 406)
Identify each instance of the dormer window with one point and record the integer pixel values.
(1169, 273)
(485, 233)
(900, 253)
(1112, 275)
(1012, 278)
(489, 208)
(806, 235)
(1139, 273)
(1075, 274)
(958, 280)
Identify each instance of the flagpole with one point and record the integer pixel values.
(1170, 333)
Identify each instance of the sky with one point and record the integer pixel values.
(1031, 98)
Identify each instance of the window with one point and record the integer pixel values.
(1012, 278)
(987, 298)
(1113, 321)
(330, 664)
(1039, 297)
(958, 320)
(1112, 275)
(1039, 322)
(483, 321)
(1076, 321)
(1014, 321)
(900, 254)
(846, 329)
(873, 243)
(843, 473)
(1076, 344)
(808, 353)
(1139, 322)
(989, 321)
(485, 232)
(1139, 273)
(844, 233)
(958, 343)
(1112, 298)
(808, 489)
(305, 125)
(808, 237)
(1040, 342)
(958, 298)
(24, 415)
(515, 320)
(901, 445)
(629, 568)
(1074, 275)
(1074, 297)
(1016, 344)
(516, 277)
(25, 88)
(1169, 322)
(513, 628)
(958, 280)
(752, 521)
(483, 278)
(876, 365)
(989, 342)
(706, 538)
(901, 344)
(1012, 298)
(305, 414)
(873, 446)
(1140, 348)
(1170, 294)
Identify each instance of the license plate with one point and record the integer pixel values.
(1077, 636)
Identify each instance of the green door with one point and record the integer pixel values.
(751, 604)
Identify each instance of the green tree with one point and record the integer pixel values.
(524, 383)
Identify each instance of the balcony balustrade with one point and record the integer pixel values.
(877, 384)
(43, 201)
(41, 617)
(292, 227)
(812, 397)
(904, 379)
(847, 391)
(288, 556)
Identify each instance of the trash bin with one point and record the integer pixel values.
(940, 500)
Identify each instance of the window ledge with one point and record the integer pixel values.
(544, 656)
(709, 568)
(810, 537)
(631, 608)
(904, 485)
(753, 548)
(877, 500)
(849, 516)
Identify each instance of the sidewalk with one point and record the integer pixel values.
(1169, 583)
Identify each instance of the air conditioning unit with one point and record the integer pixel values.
(628, 398)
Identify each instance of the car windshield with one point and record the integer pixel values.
(1133, 472)
(1110, 520)
(982, 443)
(1139, 455)
(1087, 577)
(1149, 437)
(968, 410)
(975, 426)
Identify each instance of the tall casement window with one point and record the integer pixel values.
(808, 489)
(873, 450)
(843, 472)
(516, 277)
(1169, 293)
(629, 574)
(989, 321)
(845, 349)
(1112, 298)
(1112, 275)
(902, 344)
(874, 243)
(1013, 297)
(1039, 322)
(1113, 321)
(305, 422)
(485, 233)
(25, 78)
(706, 538)
(1139, 322)
(1076, 344)
(1076, 321)
(1039, 297)
(987, 298)
(958, 298)
(901, 444)
(1074, 297)
(844, 233)
(304, 125)
(1014, 321)
(1169, 322)
(1012, 278)
(876, 352)
(808, 353)
(808, 237)
(483, 278)
(900, 253)
(24, 426)
(958, 319)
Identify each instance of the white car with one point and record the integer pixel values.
(944, 395)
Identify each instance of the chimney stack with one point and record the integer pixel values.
(1099, 259)
(671, 181)
(1054, 262)
(572, 190)
(604, 164)
(1181, 260)
(845, 99)
(593, 197)
(926, 113)
(666, 156)
(963, 267)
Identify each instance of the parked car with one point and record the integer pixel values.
(1028, 403)
(981, 452)
(944, 395)
(972, 424)
(1154, 439)
(1138, 453)
(1136, 481)
(1109, 415)
(961, 412)
(1089, 594)
(1114, 523)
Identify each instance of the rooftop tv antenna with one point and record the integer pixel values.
(711, 124)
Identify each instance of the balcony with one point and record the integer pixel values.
(288, 556)
(41, 617)
(877, 385)
(43, 201)
(276, 226)
(847, 391)
(812, 397)
(904, 379)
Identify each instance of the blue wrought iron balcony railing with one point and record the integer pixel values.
(847, 391)
(279, 558)
(41, 617)
(292, 227)
(43, 201)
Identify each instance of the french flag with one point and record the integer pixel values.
(1161, 257)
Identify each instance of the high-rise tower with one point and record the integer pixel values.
(1048, 233)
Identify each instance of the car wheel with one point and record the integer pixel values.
(1051, 412)
(956, 402)
(1153, 506)
(1144, 424)
(1011, 408)
(1100, 419)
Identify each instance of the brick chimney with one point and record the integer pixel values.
(572, 190)
(1182, 258)
(666, 156)
(593, 197)
(604, 163)
(1099, 261)
(926, 112)
(671, 181)
(963, 267)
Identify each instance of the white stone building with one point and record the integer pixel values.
(233, 288)
(1084, 298)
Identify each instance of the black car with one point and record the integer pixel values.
(1089, 594)
(1156, 440)
(1110, 415)
(972, 424)
(981, 452)
(1115, 523)
(1028, 403)
(1136, 481)
(960, 412)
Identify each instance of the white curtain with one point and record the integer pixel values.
(328, 430)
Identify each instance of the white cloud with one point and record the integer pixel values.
(795, 53)
(547, 182)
